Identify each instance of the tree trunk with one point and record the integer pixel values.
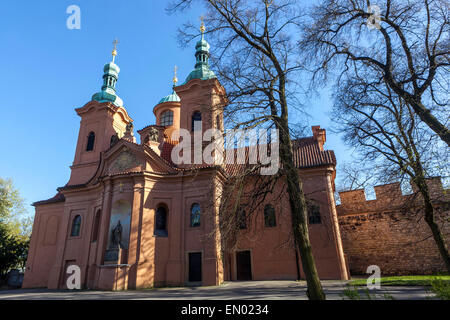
(425, 115)
(298, 215)
(429, 218)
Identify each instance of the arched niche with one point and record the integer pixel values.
(120, 211)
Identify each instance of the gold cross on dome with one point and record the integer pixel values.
(175, 79)
(114, 52)
(202, 27)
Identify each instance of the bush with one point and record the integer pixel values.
(441, 288)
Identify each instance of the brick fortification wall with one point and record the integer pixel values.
(391, 232)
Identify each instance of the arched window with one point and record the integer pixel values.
(269, 216)
(167, 118)
(76, 226)
(314, 214)
(161, 222)
(96, 226)
(242, 219)
(195, 215)
(196, 117)
(90, 141)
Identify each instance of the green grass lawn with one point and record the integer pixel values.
(406, 280)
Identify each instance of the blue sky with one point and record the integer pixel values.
(47, 70)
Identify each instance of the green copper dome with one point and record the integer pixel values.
(173, 97)
(108, 92)
(202, 45)
(202, 70)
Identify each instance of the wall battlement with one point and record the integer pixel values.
(390, 231)
(388, 197)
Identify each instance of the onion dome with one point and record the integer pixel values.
(110, 76)
(173, 97)
(202, 70)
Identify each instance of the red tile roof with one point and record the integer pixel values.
(166, 152)
(307, 154)
(59, 197)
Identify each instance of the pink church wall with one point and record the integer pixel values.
(272, 250)
(43, 245)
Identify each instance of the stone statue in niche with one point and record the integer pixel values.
(114, 140)
(116, 236)
(129, 135)
(114, 253)
(153, 135)
(129, 127)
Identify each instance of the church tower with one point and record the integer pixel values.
(167, 111)
(202, 96)
(103, 120)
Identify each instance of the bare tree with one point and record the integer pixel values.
(354, 177)
(256, 59)
(407, 47)
(391, 140)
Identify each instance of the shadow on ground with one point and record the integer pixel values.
(250, 290)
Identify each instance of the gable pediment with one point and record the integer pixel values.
(129, 157)
(126, 160)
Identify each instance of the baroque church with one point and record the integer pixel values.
(129, 217)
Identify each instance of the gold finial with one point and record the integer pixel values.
(175, 79)
(202, 27)
(114, 52)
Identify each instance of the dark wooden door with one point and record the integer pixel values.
(244, 266)
(195, 267)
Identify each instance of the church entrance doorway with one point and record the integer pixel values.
(195, 266)
(243, 265)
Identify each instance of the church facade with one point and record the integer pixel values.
(129, 217)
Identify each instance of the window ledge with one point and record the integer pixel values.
(161, 234)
